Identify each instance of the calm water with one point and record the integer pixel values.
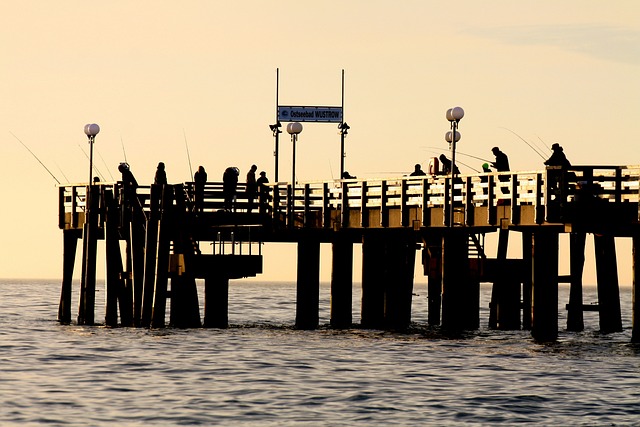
(261, 372)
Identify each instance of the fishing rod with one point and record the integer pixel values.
(464, 154)
(105, 165)
(95, 168)
(123, 151)
(188, 155)
(545, 144)
(525, 141)
(60, 169)
(461, 163)
(36, 157)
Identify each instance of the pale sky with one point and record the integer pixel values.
(152, 72)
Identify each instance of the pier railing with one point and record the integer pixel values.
(550, 197)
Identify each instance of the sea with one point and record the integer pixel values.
(261, 371)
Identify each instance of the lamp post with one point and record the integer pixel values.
(454, 115)
(294, 129)
(344, 130)
(91, 130)
(275, 129)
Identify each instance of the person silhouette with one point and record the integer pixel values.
(417, 171)
(200, 179)
(558, 158)
(229, 183)
(263, 191)
(161, 175)
(252, 187)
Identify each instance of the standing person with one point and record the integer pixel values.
(501, 165)
(417, 171)
(161, 175)
(252, 187)
(446, 165)
(502, 161)
(229, 183)
(263, 190)
(200, 179)
(129, 183)
(558, 157)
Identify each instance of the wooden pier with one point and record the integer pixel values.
(163, 234)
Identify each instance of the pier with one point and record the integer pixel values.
(155, 241)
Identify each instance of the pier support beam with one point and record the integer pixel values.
(635, 292)
(115, 286)
(162, 266)
(545, 286)
(341, 283)
(373, 280)
(400, 265)
(86, 312)
(575, 313)
(151, 255)
(527, 286)
(70, 243)
(456, 292)
(608, 288)
(505, 296)
(216, 301)
(308, 284)
(432, 262)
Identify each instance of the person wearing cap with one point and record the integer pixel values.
(263, 190)
(199, 181)
(252, 187)
(501, 165)
(558, 157)
(129, 185)
(229, 183)
(161, 175)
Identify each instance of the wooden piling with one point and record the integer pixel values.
(527, 287)
(86, 315)
(455, 275)
(373, 272)
(575, 314)
(635, 292)
(505, 296)
(400, 264)
(162, 264)
(185, 310)
(216, 300)
(134, 277)
(341, 283)
(544, 326)
(151, 255)
(70, 245)
(308, 284)
(608, 288)
(432, 261)
(115, 288)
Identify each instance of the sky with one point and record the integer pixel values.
(168, 81)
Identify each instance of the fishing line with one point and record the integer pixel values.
(525, 141)
(36, 157)
(105, 165)
(464, 154)
(188, 155)
(95, 168)
(60, 169)
(123, 151)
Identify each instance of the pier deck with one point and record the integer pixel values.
(389, 216)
